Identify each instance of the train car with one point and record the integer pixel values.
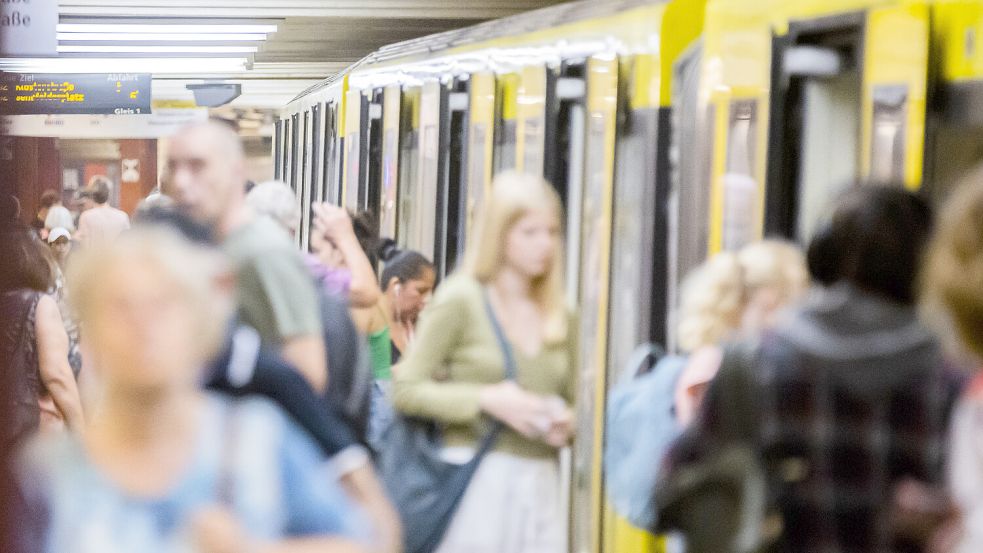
(671, 129)
(578, 93)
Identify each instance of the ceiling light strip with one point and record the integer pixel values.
(166, 29)
(161, 37)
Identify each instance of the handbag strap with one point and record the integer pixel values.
(510, 374)
(503, 342)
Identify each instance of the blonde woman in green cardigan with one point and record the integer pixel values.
(454, 372)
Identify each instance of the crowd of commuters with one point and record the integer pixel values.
(201, 383)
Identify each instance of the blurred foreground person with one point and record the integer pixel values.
(506, 307)
(206, 178)
(954, 289)
(103, 222)
(163, 466)
(35, 348)
(841, 408)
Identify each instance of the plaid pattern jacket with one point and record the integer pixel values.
(839, 405)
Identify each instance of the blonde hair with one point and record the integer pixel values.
(953, 273)
(277, 200)
(715, 294)
(514, 195)
(192, 268)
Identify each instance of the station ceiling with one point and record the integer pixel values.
(274, 48)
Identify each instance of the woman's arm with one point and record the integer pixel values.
(334, 224)
(56, 373)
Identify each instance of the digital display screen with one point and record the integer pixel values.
(83, 93)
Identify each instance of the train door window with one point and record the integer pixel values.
(331, 180)
(454, 195)
(356, 142)
(565, 160)
(409, 177)
(316, 190)
(506, 124)
(816, 103)
(829, 160)
(388, 193)
(278, 149)
(429, 222)
(295, 146)
(887, 144)
(691, 162)
(372, 182)
(481, 110)
(740, 185)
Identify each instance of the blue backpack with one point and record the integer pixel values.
(641, 425)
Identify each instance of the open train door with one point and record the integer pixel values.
(848, 104)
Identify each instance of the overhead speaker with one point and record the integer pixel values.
(213, 95)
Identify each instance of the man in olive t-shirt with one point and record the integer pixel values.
(206, 178)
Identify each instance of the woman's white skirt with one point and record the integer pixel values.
(512, 505)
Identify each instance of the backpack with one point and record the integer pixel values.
(350, 381)
(640, 427)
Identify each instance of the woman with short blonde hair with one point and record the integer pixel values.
(506, 302)
(233, 475)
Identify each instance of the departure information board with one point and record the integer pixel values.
(103, 93)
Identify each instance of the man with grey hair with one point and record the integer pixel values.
(206, 178)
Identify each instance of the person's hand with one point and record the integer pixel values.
(333, 222)
(526, 413)
(215, 530)
(562, 425)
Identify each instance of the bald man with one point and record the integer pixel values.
(206, 178)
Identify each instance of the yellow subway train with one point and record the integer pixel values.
(671, 129)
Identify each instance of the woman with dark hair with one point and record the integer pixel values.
(33, 341)
(841, 409)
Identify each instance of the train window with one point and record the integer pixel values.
(740, 185)
(356, 142)
(391, 115)
(331, 181)
(481, 146)
(316, 191)
(278, 149)
(285, 172)
(454, 185)
(828, 161)
(295, 146)
(409, 154)
(426, 229)
(370, 194)
(506, 124)
(888, 129)
(304, 194)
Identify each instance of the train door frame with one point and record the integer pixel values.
(431, 169)
(317, 149)
(294, 138)
(409, 167)
(786, 140)
(305, 193)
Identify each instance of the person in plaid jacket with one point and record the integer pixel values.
(840, 408)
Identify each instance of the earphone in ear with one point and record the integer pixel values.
(398, 287)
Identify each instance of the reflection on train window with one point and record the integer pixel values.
(887, 144)
(476, 162)
(295, 165)
(278, 149)
(739, 183)
(532, 157)
(387, 217)
(505, 146)
(353, 146)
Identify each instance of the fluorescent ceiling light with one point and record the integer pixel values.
(156, 66)
(168, 29)
(162, 37)
(144, 49)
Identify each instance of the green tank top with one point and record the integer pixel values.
(380, 352)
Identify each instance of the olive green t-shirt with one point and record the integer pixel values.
(276, 294)
(455, 354)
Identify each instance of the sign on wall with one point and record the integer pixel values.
(28, 27)
(102, 93)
